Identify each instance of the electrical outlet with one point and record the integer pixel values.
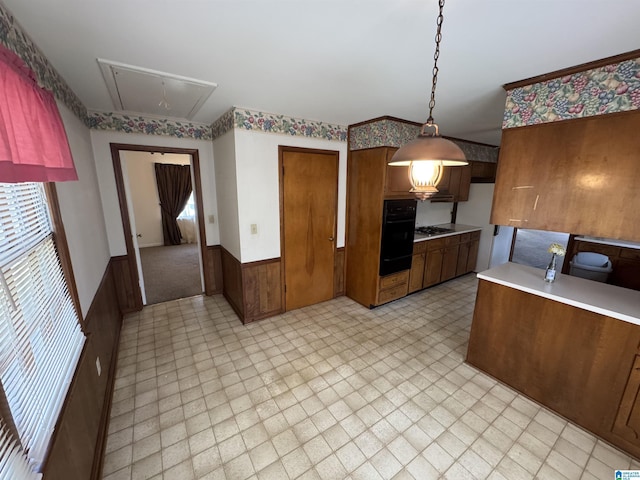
(212, 219)
(98, 366)
(254, 229)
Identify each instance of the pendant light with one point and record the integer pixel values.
(426, 155)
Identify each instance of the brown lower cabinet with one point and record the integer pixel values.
(441, 259)
(625, 261)
(434, 261)
(583, 365)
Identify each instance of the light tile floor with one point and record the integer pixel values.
(330, 391)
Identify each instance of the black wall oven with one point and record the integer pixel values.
(398, 226)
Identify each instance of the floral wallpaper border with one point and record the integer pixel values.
(246, 119)
(223, 124)
(392, 133)
(383, 133)
(149, 126)
(13, 37)
(609, 89)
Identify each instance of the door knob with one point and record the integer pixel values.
(331, 239)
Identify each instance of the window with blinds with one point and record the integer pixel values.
(13, 463)
(40, 336)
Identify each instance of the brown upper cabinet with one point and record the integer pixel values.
(396, 182)
(454, 185)
(572, 176)
(483, 172)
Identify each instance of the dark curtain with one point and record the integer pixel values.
(174, 188)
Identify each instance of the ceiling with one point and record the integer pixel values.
(337, 61)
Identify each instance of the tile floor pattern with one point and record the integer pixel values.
(330, 391)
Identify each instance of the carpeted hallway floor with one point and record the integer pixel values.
(170, 272)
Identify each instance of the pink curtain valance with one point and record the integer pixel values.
(33, 142)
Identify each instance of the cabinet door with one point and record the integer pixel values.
(627, 423)
(433, 267)
(464, 184)
(449, 262)
(463, 258)
(483, 172)
(626, 273)
(416, 275)
(455, 181)
(397, 183)
(577, 175)
(472, 260)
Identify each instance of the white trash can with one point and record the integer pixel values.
(591, 265)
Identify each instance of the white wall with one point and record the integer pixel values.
(227, 192)
(144, 193)
(258, 190)
(82, 213)
(100, 140)
(493, 250)
(477, 211)
(429, 213)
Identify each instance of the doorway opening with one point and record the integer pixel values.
(530, 247)
(163, 265)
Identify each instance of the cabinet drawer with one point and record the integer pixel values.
(435, 243)
(389, 281)
(453, 240)
(393, 293)
(419, 247)
(475, 235)
(630, 253)
(465, 237)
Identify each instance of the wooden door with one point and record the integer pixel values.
(309, 198)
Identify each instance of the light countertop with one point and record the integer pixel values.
(609, 300)
(458, 228)
(610, 241)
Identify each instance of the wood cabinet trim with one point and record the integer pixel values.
(571, 70)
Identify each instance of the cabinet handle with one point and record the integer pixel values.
(535, 205)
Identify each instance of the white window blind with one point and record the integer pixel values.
(13, 463)
(40, 337)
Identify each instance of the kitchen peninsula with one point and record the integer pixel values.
(573, 346)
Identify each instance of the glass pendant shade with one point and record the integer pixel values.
(425, 156)
(424, 176)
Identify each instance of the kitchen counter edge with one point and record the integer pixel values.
(458, 229)
(609, 300)
(610, 241)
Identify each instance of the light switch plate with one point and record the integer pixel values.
(254, 229)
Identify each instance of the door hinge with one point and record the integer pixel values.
(285, 289)
(283, 170)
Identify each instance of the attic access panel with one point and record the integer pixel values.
(141, 90)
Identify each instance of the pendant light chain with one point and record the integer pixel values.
(432, 102)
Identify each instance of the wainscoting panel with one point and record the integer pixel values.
(262, 289)
(232, 285)
(213, 266)
(254, 290)
(124, 283)
(79, 440)
(338, 273)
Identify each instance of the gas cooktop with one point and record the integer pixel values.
(433, 230)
